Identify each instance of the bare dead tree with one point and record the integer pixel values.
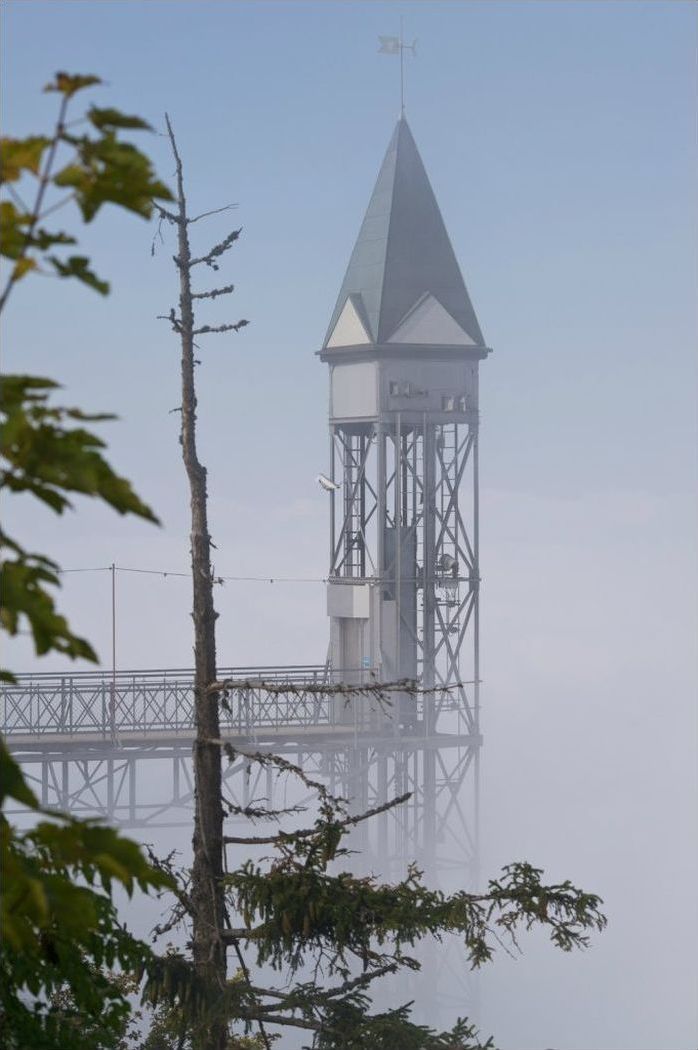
(206, 890)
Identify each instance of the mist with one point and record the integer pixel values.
(560, 143)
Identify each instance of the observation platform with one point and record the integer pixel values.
(68, 715)
(90, 742)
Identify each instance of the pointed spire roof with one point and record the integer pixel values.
(403, 283)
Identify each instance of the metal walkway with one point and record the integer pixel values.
(118, 747)
(43, 712)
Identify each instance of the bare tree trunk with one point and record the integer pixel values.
(208, 948)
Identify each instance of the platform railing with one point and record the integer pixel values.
(152, 701)
(152, 706)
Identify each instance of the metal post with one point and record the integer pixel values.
(110, 789)
(428, 583)
(476, 650)
(348, 494)
(112, 698)
(132, 789)
(398, 554)
(62, 720)
(332, 501)
(429, 669)
(380, 532)
(429, 814)
(382, 790)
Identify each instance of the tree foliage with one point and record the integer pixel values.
(91, 169)
(331, 936)
(43, 457)
(45, 450)
(61, 935)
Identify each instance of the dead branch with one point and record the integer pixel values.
(268, 758)
(284, 836)
(216, 251)
(245, 972)
(209, 329)
(214, 293)
(291, 1022)
(240, 933)
(157, 236)
(260, 813)
(331, 993)
(164, 213)
(216, 211)
(363, 979)
(365, 689)
(173, 319)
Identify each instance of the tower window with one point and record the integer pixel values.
(448, 403)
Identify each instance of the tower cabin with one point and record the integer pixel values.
(403, 348)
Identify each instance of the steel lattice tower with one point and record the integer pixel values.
(403, 349)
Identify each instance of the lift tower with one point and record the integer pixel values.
(403, 349)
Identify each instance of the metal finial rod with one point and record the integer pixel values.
(402, 71)
(112, 698)
(393, 45)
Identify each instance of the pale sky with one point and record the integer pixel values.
(560, 142)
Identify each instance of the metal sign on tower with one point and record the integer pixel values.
(403, 349)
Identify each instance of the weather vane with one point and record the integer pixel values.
(395, 45)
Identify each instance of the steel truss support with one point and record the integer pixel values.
(131, 787)
(153, 787)
(407, 523)
(416, 479)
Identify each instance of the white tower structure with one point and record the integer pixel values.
(403, 349)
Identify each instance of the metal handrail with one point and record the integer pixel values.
(277, 671)
(156, 700)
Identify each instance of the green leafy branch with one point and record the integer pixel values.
(60, 925)
(41, 456)
(100, 169)
(61, 935)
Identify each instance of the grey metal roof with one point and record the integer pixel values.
(403, 250)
